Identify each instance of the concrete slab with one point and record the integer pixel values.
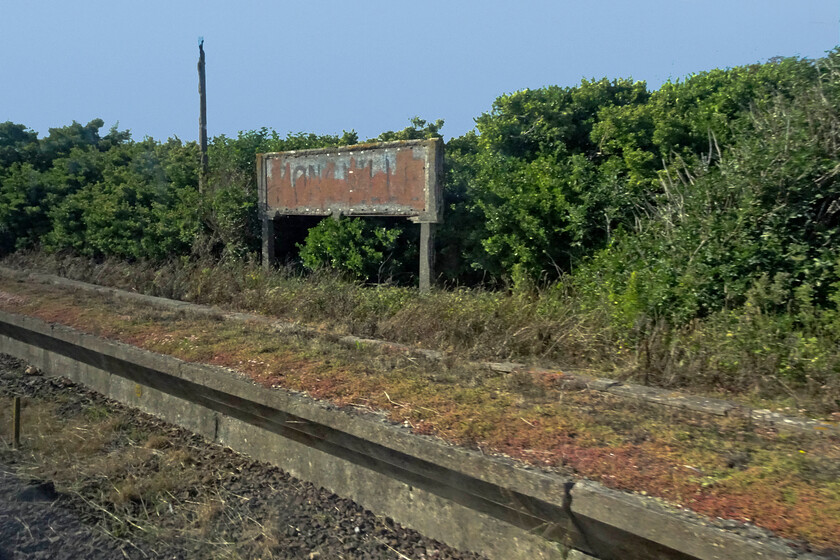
(467, 499)
(648, 519)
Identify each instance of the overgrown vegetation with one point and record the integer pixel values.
(162, 492)
(723, 467)
(689, 232)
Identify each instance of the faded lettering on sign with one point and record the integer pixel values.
(396, 179)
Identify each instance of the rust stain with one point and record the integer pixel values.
(379, 180)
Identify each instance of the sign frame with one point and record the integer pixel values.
(387, 179)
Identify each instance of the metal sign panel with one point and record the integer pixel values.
(383, 179)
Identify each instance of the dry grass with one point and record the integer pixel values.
(758, 355)
(137, 485)
(689, 460)
(472, 323)
(721, 467)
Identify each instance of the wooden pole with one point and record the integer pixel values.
(16, 422)
(202, 118)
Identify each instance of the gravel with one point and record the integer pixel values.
(33, 525)
(297, 519)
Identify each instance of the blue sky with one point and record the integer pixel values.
(325, 66)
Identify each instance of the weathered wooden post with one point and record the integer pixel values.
(16, 423)
(202, 118)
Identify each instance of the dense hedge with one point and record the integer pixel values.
(706, 194)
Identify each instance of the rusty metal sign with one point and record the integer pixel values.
(383, 179)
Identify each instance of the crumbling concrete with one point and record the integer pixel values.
(490, 505)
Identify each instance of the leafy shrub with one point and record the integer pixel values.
(689, 230)
(358, 247)
(768, 208)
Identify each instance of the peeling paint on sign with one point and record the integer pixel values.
(388, 179)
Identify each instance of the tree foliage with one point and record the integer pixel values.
(709, 193)
(760, 215)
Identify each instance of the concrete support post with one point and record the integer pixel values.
(427, 255)
(267, 242)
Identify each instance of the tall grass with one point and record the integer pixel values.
(748, 350)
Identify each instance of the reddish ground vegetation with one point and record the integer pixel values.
(719, 467)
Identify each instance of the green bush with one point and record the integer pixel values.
(359, 247)
(649, 208)
(768, 208)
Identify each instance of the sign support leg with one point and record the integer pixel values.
(427, 255)
(267, 242)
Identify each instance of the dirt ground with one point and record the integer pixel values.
(96, 480)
